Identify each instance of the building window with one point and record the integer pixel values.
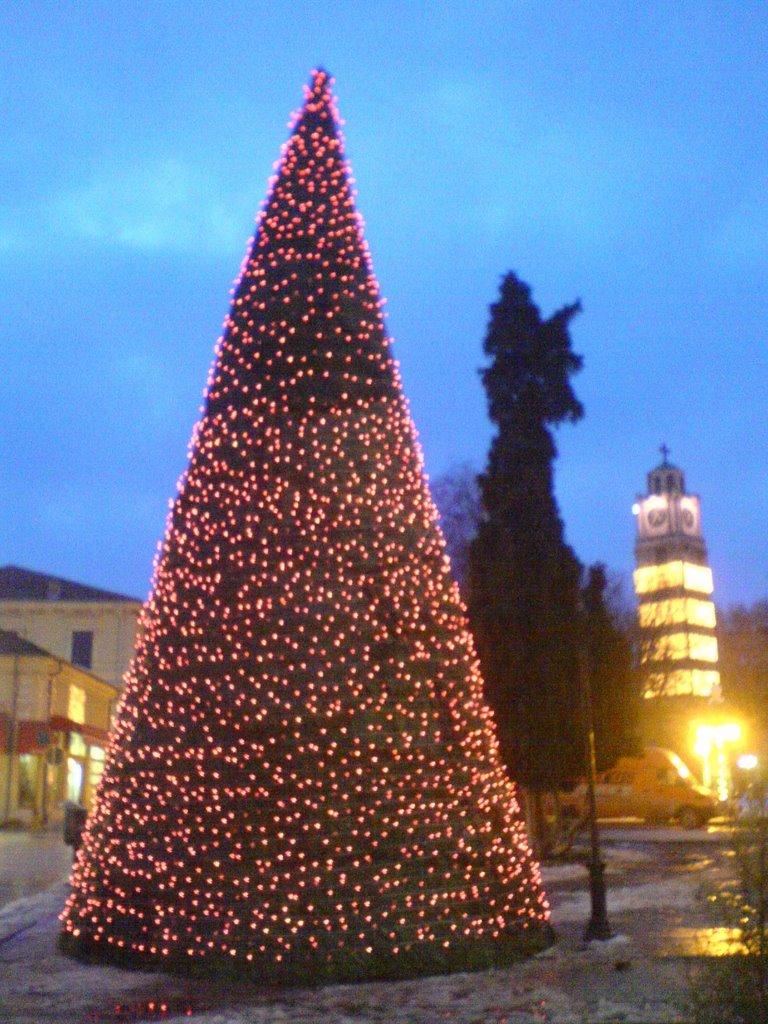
(27, 781)
(82, 647)
(95, 767)
(76, 704)
(74, 780)
(77, 747)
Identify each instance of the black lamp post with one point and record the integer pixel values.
(598, 926)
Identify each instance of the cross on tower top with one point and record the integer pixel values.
(664, 452)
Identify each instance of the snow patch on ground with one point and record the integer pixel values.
(570, 983)
(672, 892)
(24, 912)
(552, 873)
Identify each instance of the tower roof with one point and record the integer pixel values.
(665, 463)
(666, 478)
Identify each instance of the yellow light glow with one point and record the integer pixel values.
(700, 613)
(697, 577)
(682, 645)
(703, 742)
(76, 704)
(677, 610)
(702, 648)
(682, 682)
(710, 741)
(709, 734)
(747, 762)
(650, 578)
(682, 768)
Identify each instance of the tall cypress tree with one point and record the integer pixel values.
(614, 685)
(524, 578)
(304, 780)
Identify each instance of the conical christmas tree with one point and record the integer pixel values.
(303, 779)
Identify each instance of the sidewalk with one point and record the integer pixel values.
(31, 862)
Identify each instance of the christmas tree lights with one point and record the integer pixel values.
(303, 780)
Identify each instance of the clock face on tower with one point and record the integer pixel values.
(689, 515)
(657, 517)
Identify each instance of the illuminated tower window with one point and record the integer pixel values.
(673, 584)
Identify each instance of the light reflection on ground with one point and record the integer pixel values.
(703, 942)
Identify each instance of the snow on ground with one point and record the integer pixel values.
(22, 913)
(670, 892)
(652, 894)
(624, 979)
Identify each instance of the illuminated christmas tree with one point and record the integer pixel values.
(303, 780)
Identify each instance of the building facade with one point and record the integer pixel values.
(90, 628)
(54, 723)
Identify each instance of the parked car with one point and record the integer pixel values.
(656, 787)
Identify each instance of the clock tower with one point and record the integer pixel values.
(673, 583)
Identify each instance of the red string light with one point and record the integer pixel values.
(303, 777)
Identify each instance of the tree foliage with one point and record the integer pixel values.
(733, 989)
(743, 635)
(614, 682)
(524, 578)
(457, 496)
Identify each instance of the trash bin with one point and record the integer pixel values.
(74, 822)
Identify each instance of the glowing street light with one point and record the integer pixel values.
(746, 762)
(710, 745)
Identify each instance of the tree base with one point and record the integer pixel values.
(311, 968)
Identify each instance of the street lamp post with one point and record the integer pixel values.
(598, 926)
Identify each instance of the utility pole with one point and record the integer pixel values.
(53, 673)
(12, 737)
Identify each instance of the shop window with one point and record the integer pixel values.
(96, 767)
(74, 780)
(27, 780)
(77, 747)
(82, 648)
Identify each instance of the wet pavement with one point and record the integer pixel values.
(705, 941)
(650, 874)
(31, 862)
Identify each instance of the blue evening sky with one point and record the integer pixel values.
(610, 151)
